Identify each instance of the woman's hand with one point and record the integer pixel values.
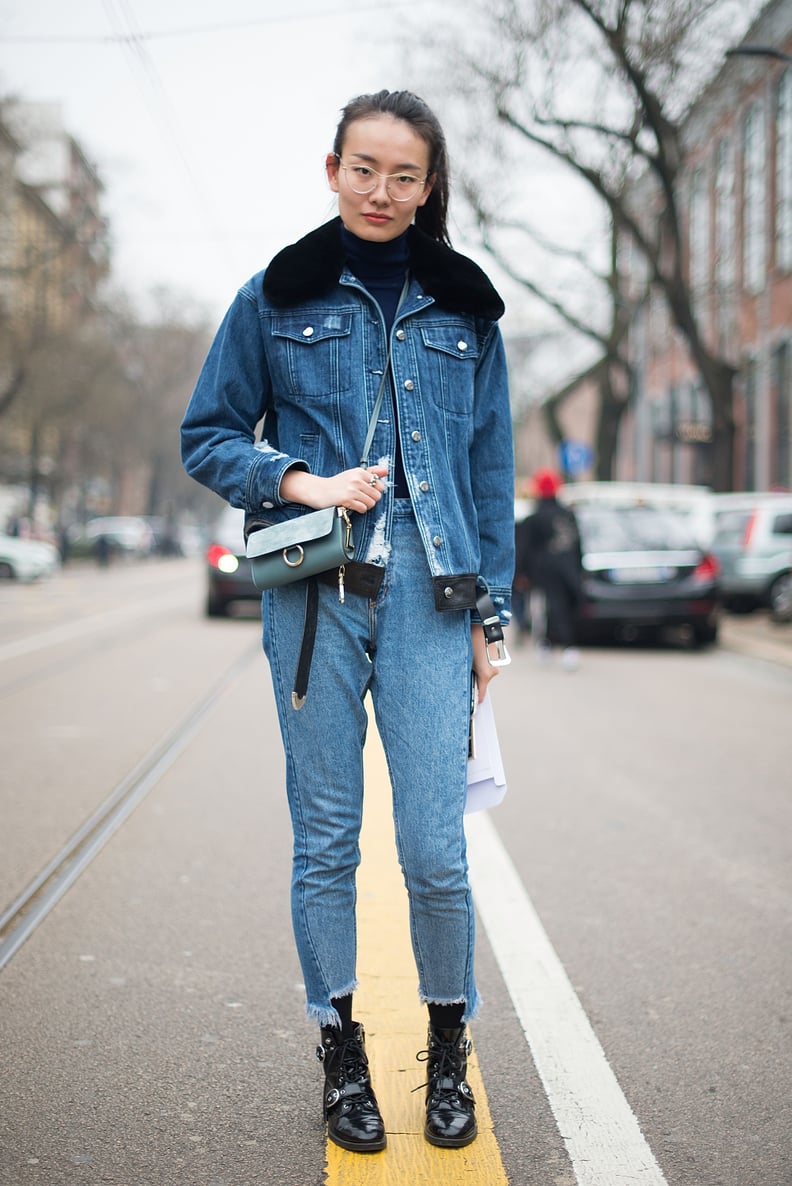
(356, 489)
(483, 669)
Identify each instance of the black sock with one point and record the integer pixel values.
(343, 1007)
(446, 1017)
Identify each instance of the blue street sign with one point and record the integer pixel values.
(575, 456)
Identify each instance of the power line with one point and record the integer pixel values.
(156, 99)
(197, 30)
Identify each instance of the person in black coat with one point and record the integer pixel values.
(549, 562)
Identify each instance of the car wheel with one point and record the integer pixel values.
(781, 598)
(705, 634)
(6, 571)
(215, 608)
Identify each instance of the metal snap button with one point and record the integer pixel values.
(462, 345)
(438, 541)
(308, 332)
(416, 436)
(424, 486)
(400, 335)
(409, 385)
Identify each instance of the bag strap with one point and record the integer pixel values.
(372, 426)
(311, 587)
(493, 631)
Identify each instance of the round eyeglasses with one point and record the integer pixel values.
(362, 179)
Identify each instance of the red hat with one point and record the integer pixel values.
(546, 483)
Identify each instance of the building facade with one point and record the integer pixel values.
(736, 202)
(53, 237)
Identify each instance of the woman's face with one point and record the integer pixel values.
(387, 145)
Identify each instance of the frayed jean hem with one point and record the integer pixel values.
(470, 1013)
(325, 1014)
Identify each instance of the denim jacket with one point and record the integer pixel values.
(303, 347)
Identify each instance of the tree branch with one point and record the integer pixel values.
(596, 180)
(580, 125)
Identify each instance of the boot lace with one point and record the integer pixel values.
(444, 1074)
(347, 1064)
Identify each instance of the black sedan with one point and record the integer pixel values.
(643, 572)
(229, 581)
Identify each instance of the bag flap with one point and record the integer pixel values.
(303, 529)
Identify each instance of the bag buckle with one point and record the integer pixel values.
(493, 637)
(502, 656)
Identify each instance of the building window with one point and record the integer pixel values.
(724, 229)
(699, 233)
(749, 405)
(782, 391)
(754, 187)
(783, 227)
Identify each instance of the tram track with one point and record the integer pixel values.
(35, 902)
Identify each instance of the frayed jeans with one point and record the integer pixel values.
(416, 663)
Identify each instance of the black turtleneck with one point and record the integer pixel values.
(381, 268)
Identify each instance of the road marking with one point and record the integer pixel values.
(600, 1130)
(395, 1023)
(71, 630)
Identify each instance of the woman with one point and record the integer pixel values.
(305, 345)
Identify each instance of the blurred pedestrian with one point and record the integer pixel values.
(305, 345)
(549, 563)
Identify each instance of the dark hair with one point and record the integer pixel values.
(432, 217)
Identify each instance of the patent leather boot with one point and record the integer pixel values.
(349, 1105)
(450, 1106)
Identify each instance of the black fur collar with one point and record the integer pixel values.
(312, 266)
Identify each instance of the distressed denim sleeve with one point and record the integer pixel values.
(492, 473)
(231, 396)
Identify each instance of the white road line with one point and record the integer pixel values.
(600, 1131)
(72, 630)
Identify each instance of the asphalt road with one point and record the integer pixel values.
(151, 1026)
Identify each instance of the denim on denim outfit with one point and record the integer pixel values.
(314, 366)
(304, 345)
(412, 676)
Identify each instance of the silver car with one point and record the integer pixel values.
(753, 543)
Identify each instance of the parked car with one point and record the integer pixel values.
(27, 559)
(693, 502)
(165, 536)
(228, 574)
(111, 535)
(753, 544)
(644, 571)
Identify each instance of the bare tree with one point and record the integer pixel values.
(601, 88)
(612, 372)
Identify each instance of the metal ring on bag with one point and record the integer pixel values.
(294, 563)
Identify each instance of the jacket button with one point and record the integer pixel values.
(409, 385)
(462, 345)
(400, 335)
(438, 541)
(423, 487)
(308, 332)
(448, 592)
(416, 436)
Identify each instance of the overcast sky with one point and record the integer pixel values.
(208, 122)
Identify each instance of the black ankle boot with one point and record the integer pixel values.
(450, 1106)
(350, 1105)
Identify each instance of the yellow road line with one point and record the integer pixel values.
(395, 1023)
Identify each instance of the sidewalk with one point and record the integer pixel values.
(756, 635)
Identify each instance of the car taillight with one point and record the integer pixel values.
(708, 569)
(221, 558)
(749, 530)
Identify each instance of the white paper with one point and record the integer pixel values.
(486, 779)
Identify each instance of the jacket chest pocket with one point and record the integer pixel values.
(311, 357)
(451, 352)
